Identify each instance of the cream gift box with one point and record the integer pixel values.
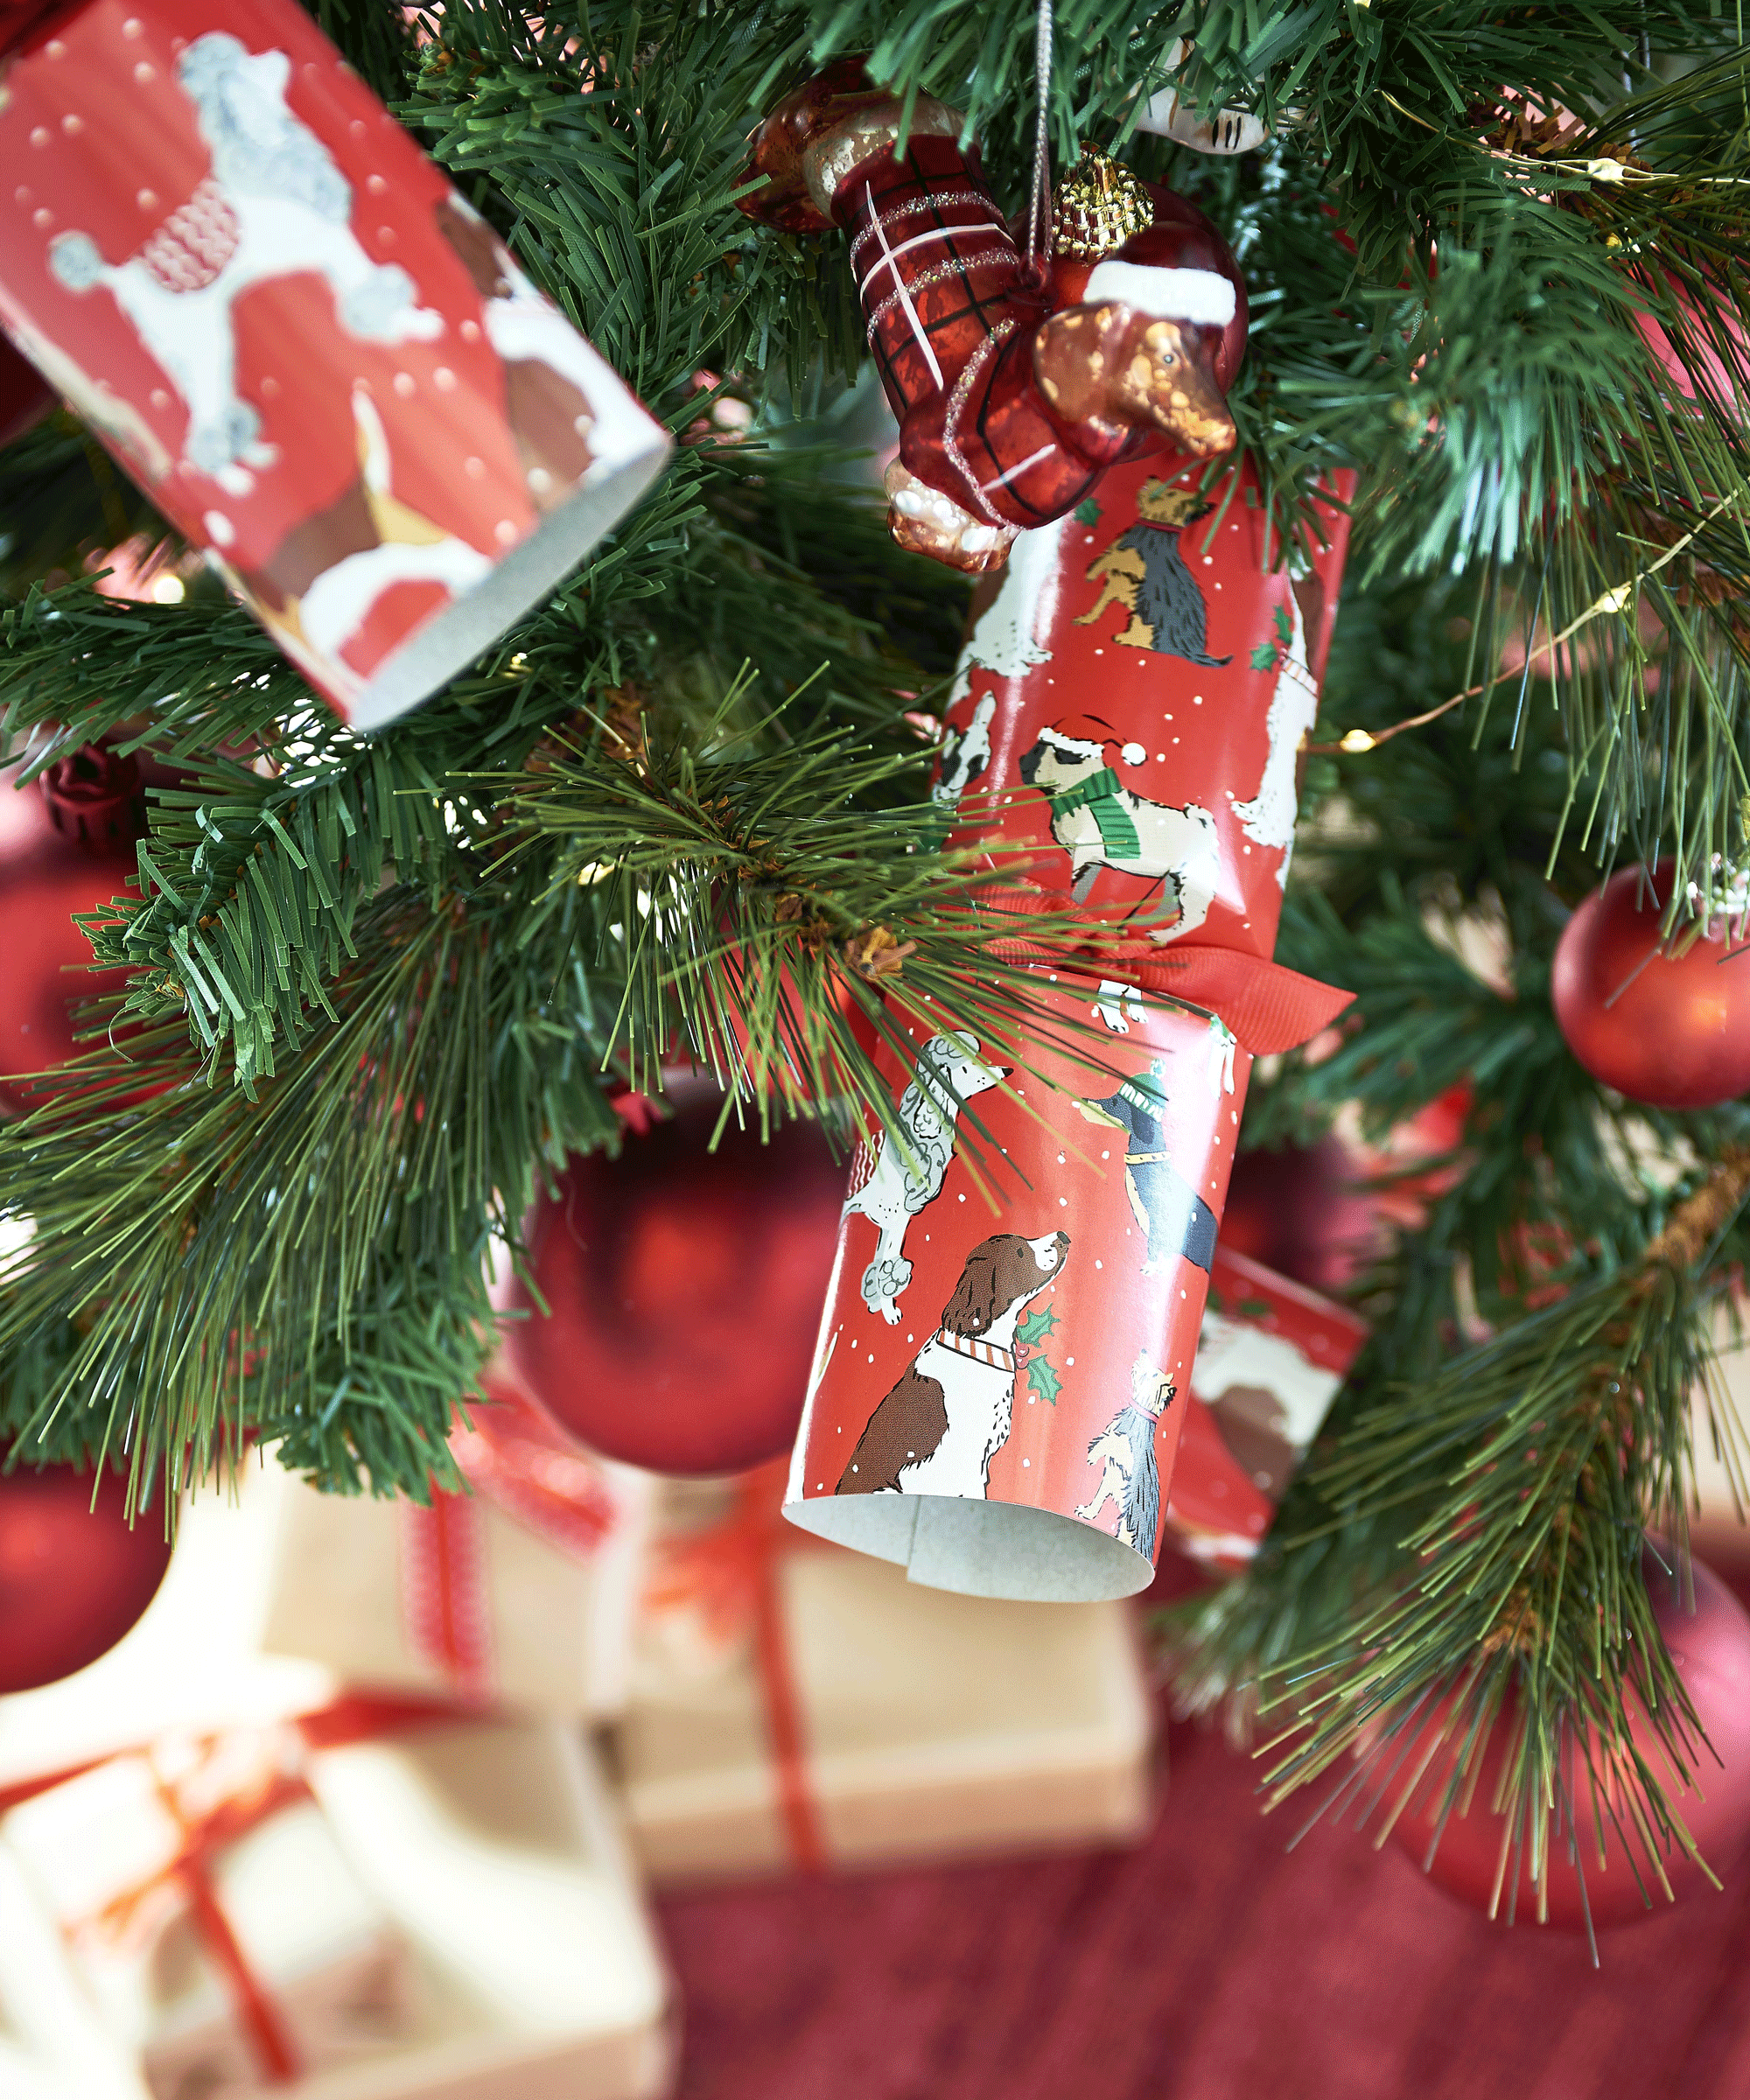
(488, 1852)
(522, 1591)
(796, 1703)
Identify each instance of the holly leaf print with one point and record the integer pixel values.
(1088, 511)
(1264, 656)
(1034, 1326)
(1045, 1382)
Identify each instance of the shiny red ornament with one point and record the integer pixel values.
(1711, 1649)
(1010, 404)
(1672, 1031)
(685, 1288)
(67, 845)
(72, 1578)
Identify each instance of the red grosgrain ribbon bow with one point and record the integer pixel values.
(728, 1573)
(1265, 1006)
(514, 1456)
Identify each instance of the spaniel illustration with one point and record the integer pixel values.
(274, 204)
(891, 1182)
(1143, 572)
(1267, 817)
(1178, 1223)
(1124, 1450)
(1101, 824)
(939, 1428)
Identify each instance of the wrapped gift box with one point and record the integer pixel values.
(468, 1877)
(276, 1963)
(794, 1703)
(1270, 1360)
(522, 1591)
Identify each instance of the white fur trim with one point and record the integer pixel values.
(1200, 295)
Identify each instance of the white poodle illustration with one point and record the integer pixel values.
(274, 204)
(891, 1182)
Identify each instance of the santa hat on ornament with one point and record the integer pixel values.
(1087, 737)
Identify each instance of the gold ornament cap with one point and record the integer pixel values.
(1097, 206)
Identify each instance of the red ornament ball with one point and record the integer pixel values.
(686, 1288)
(1672, 1032)
(74, 1578)
(1711, 1649)
(67, 845)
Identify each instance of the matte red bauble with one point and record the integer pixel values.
(1711, 1649)
(67, 845)
(1673, 1032)
(686, 1288)
(74, 1578)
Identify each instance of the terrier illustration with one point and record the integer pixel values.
(1124, 1450)
(1143, 572)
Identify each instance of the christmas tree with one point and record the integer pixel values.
(379, 986)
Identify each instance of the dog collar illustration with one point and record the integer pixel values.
(1144, 572)
(892, 1181)
(1178, 1223)
(937, 1430)
(1124, 1450)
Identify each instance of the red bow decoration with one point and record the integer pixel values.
(728, 1574)
(513, 1456)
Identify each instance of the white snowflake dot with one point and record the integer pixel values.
(405, 385)
(474, 468)
(505, 533)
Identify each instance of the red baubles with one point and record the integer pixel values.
(1711, 1649)
(1013, 393)
(72, 1578)
(1670, 1030)
(67, 845)
(685, 1288)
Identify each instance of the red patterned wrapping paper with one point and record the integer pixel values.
(310, 350)
(1129, 708)
(1271, 1358)
(1018, 1288)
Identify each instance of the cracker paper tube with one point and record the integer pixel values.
(317, 360)
(1131, 704)
(996, 1399)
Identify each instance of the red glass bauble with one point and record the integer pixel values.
(685, 1288)
(1672, 1032)
(1711, 1649)
(67, 845)
(74, 1578)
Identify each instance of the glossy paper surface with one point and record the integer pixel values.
(316, 359)
(999, 1392)
(1132, 699)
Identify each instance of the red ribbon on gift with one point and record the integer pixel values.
(513, 1456)
(211, 1811)
(728, 1573)
(1265, 1006)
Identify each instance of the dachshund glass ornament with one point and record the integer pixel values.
(1012, 399)
(317, 360)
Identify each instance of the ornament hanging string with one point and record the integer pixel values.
(1038, 207)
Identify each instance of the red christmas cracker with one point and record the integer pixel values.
(1006, 1361)
(310, 350)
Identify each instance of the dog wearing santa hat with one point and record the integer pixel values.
(1102, 823)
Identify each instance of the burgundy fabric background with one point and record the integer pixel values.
(1210, 1964)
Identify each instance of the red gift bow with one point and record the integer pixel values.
(1265, 1006)
(274, 1778)
(728, 1573)
(513, 1456)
